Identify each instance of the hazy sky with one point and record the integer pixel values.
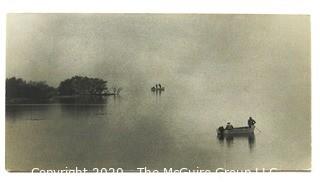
(198, 51)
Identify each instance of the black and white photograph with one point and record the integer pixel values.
(157, 92)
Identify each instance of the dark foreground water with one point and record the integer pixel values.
(159, 131)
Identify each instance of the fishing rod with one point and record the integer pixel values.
(258, 130)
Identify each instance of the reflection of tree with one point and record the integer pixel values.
(82, 100)
(83, 111)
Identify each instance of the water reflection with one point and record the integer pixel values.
(83, 100)
(230, 140)
(157, 92)
(27, 112)
(251, 141)
(117, 99)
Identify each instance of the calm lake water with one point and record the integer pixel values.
(175, 129)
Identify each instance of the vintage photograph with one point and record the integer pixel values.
(157, 92)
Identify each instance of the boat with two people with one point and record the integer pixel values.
(157, 88)
(229, 130)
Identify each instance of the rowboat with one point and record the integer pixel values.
(157, 89)
(236, 131)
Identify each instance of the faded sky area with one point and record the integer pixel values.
(138, 50)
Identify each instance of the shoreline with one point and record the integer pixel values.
(55, 99)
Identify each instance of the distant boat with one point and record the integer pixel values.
(235, 131)
(153, 89)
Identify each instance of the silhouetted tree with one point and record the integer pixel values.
(79, 85)
(19, 88)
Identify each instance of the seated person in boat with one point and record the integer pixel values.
(229, 126)
(251, 122)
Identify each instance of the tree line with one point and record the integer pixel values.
(79, 85)
(19, 88)
(76, 85)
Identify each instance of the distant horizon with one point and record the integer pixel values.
(46, 80)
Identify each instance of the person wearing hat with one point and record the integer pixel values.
(229, 126)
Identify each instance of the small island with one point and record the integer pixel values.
(19, 91)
